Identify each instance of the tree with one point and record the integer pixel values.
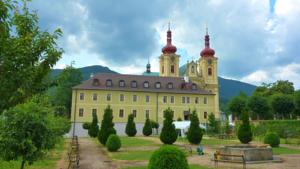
(61, 95)
(154, 125)
(194, 134)
(94, 128)
(282, 87)
(213, 125)
(297, 102)
(27, 53)
(130, 129)
(227, 128)
(283, 105)
(237, 105)
(107, 126)
(168, 133)
(147, 129)
(260, 107)
(27, 131)
(244, 130)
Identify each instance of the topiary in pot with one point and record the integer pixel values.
(168, 157)
(244, 130)
(272, 139)
(113, 143)
(147, 129)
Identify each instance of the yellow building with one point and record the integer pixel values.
(148, 95)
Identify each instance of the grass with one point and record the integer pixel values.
(193, 166)
(135, 142)
(211, 141)
(47, 162)
(132, 155)
(284, 150)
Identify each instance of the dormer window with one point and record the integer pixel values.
(96, 82)
(134, 84)
(170, 85)
(146, 84)
(121, 83)
(194, 86)
(108, 83)
(157, 85)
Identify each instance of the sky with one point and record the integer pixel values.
(255, 40)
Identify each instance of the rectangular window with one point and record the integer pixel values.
(121, 97)
(81, 112)
(121, 113)
(147, 98)
(81, 97)
(94, 111)
(196, 100)
(147, 114)
(134, 113)
(183, 99)
(172, 69)
(172, 99)
(205, 100)
(187, 99)
(134, 98)
(108, 97)
(164, 99)
(95, 96)
(205, 115)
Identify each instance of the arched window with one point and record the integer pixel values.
(157, 85)
(170, 85)
(133, 84)
(108, 83)
(121, 83)
(146, 84)
(209, 71)
(172, 69)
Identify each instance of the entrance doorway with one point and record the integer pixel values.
(186, 115)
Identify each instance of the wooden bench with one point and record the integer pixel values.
(217, 156)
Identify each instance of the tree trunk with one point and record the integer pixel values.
(22, 164)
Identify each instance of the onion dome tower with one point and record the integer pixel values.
(207, 51)
(169, 60)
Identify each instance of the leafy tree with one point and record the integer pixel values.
(283, 105)
(107, 126)
(27, 53)
(194, 134)
(27, 131)
(147, 129)
(61, 95)
(260, 107)
(94, 128)
(297, 102)
(244, 130)
(227, 128)
(213, 124)
(237, 105)
(155, 125)
(168, 133)
(283, 87)
(130, 129)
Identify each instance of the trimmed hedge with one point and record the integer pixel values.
(113, 143)
(272, 139)
(168, 157)
(86, 125)
(284, 128)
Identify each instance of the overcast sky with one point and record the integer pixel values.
(255, 40)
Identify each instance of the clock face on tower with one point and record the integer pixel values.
(209, 61)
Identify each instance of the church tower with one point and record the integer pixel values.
(169, 60)
(208, 66)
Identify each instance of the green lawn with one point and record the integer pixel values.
(131, 155)
(193, 166)
(283, 150)
(135, 142)
(211, 141)
(48, 162)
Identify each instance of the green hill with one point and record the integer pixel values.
(228, 88)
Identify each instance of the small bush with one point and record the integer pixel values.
(130, 129)
(168, 157)
(147, 129)
(94, 128)
(113, 143)
(168, 133)
(272, 139)
(194, 134)
(244, 131)
(86, 125)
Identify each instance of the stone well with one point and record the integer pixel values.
(251, 152)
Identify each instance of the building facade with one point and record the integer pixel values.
(148, 95)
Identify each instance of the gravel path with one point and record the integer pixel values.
(93, 157)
